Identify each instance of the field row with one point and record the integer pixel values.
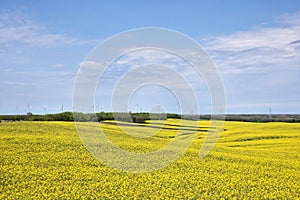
(250, 160)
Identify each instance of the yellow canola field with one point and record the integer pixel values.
(47, 160)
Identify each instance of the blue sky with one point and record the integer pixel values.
(254, 44)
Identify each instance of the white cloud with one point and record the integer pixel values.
(289, 18)
(258, 48)
(261, 66)
(18, 28)
(275, 37)
(58, 65)
(89, 64)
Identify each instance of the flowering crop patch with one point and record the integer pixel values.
(251, 160)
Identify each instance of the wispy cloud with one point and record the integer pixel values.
(18, 28)
(259, 47)
(32, 68)
(58, 65)
(285, 31)
(157, 73)
(260, 66)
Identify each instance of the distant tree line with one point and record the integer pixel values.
(142, 117)
(264, 118)
(83, 117)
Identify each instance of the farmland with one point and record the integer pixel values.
(251, 160)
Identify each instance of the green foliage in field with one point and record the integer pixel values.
(250, 161)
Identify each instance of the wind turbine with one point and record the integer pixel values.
(97, 107)
(137, 107)
(27, 109)
(45, 109)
